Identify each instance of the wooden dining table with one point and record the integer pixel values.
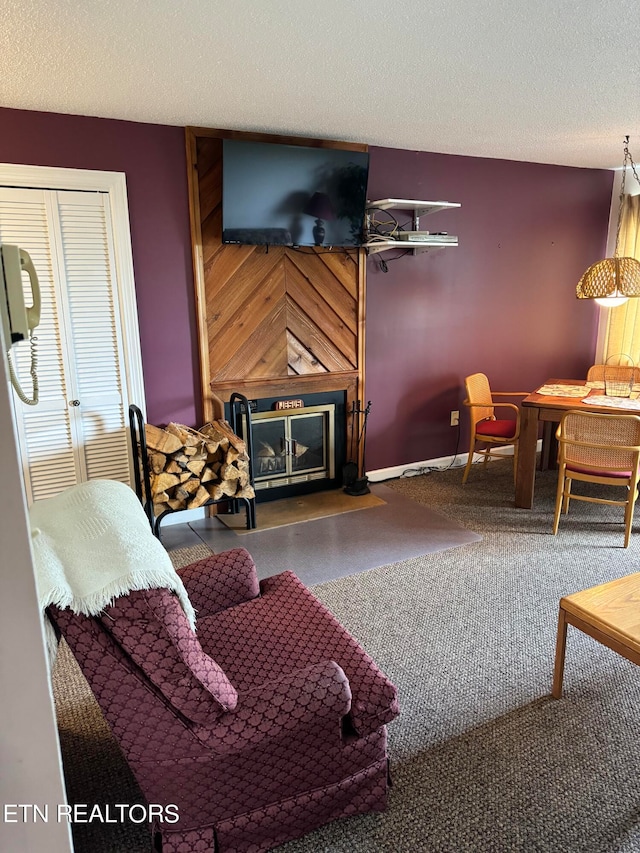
(543, 409)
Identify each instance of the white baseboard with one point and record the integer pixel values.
(411, 469)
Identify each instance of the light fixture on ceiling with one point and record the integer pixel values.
(613, 280)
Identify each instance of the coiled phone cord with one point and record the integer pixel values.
(33, 340)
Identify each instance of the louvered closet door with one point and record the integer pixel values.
(78, 431)
(91, 313)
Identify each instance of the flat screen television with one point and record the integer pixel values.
(292, 195)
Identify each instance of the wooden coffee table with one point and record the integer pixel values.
(610, 613)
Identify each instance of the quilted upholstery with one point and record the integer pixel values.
(266, 724)
(220, 581)
(291, 629)
(151, 626)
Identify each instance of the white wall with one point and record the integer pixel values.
(31, 770)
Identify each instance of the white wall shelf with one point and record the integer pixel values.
(415, 246)
(418, 208)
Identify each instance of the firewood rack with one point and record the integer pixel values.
(142, 474)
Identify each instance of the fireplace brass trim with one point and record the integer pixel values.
(288, 478)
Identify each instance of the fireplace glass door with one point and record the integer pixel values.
(293, 446)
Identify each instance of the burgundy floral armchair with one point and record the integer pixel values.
(266, 723)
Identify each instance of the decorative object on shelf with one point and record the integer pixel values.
(613, 280)
(319, 206)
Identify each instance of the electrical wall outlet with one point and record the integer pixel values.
(455, 418)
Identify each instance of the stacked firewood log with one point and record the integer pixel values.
(189, 467)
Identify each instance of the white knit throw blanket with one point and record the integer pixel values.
(93, 543)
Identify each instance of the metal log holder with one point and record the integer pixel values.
(142, 473)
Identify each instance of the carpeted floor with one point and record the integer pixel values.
(483, 761)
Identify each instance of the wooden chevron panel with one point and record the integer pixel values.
(269, 314)
(300, 362)
(251, 300)
(314, 340)
(245, 289)
(323, 316)
(267, 356)
(328, 286)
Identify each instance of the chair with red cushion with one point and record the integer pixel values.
(598, 448)
(263, 725)
(486, 429)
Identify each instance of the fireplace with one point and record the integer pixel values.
(298, 443)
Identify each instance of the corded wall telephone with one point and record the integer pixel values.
(18, 320)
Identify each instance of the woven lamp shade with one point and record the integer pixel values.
(610, 277)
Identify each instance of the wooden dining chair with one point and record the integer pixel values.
(598, 448)
(596, 372)
(486, 429)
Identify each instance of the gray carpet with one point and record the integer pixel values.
(483, 761)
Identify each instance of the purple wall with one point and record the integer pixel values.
(154, 162)
(501, 303)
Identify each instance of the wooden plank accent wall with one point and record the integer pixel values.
(278, 322)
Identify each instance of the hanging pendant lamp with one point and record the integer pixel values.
(611, 281)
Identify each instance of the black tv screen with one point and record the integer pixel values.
(292, 195)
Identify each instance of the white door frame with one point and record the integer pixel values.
(114, 183)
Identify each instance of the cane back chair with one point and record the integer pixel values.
(486, 429)
(598, 448)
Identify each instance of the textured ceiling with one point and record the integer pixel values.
(550, 81)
